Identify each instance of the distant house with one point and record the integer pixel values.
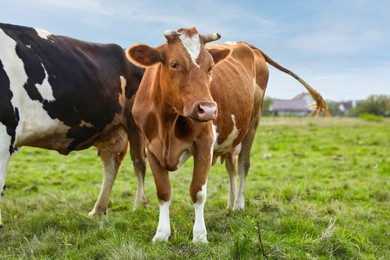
(298, 106)
(341, 108)
(344, 106)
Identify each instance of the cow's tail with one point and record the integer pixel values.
(319, 105)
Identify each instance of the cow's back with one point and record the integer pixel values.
(57, 92)
(234, 88)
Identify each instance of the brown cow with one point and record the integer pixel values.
(185, 86)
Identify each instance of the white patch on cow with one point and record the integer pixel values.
(45, 89)
(123, 83)
(4, 157)
(4, 152)
(231, 43)
(164, 224)
(34, 120)
(215, 137)
(5, 143)
(240, 200)
(200, 231)
(183, 158)
(122, 97)
(226, 146)
(42, 33)
(192, 45)
(86, 124)
(255, 86)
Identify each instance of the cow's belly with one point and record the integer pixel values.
(42, 132)
(227, 144)
(55, 135)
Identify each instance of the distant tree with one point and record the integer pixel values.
(267, 102)
(376, 105)
(334, 108)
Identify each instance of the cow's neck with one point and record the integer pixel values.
(172, 133)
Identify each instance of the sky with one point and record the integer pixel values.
(340, 47)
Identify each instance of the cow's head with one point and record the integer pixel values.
(184, 72)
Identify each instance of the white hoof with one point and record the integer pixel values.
(200, 239)
(139, 203)
(200, 236)
(161, 236)
(95, 213)
(239, 205)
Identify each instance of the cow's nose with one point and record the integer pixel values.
(204, 111)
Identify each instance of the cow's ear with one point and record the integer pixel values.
(143, 55)
(219, 54)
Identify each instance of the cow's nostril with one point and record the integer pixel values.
(200, 110)
(206, 111)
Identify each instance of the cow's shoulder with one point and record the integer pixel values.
(145, 109)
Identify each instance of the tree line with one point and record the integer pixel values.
(378, 105)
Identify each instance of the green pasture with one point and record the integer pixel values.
(317, 188)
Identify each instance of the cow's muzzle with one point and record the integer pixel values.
(203, 111)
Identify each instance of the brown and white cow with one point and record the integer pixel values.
(203, 101)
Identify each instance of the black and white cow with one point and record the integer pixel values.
(64, 94)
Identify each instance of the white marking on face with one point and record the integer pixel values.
(164, 225)
(45, 89)
(42, 33)
(34, 119)
(200, 231)
(192, 45)
(226, 146)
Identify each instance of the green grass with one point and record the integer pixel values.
(371, 117)
(317, 188)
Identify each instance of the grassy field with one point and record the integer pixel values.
(317, 189)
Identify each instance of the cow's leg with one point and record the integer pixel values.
(3, 168)
(111, 162)
(244, 164)
(246, 146)
(163, 187)
(198, 191)
(231, 167)
(4, 159)
(137, 153)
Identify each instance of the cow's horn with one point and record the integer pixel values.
(212, 37)
(169, 33)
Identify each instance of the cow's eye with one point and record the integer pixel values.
(174, 65)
